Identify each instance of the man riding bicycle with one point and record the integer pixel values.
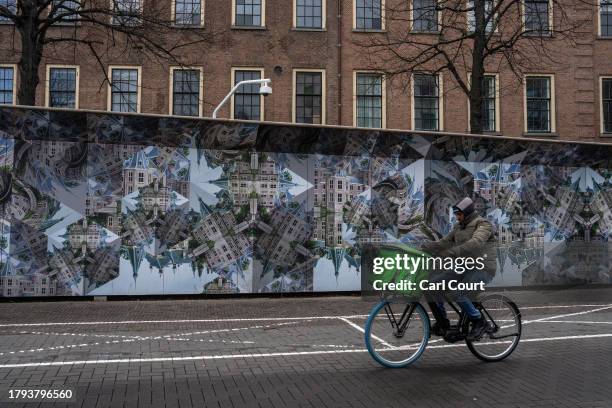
(472, 236)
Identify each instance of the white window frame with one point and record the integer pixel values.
(551, 16)
(382, 18)
(110, 90)
(323, 94)
(261, 97)
(48, 82)
(412, 21)
(497, 104)
(112, 9)
(263, 16)
(467, 17)
(173, 15)
(200, 87)
(14, 66)
(601, 111)
(323, 17)
(599, 20)
(384, 96)
(440, 103)
(553, 104)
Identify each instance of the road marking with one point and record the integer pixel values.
(250, 319)
(543, 319)
(358, 328)
(263, 355)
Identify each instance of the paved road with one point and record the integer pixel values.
(294, 352)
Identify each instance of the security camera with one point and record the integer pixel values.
(265, 90)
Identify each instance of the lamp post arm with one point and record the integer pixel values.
(233, 91)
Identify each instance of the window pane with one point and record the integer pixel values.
(425, 15)
(186, 92)
(308, 97)
(368, 14)
(538, 104)
(537, 16)
(62, 88)
(12, 6)
(247, 100)
(426, 102)
(488, 104)
(471, 17)
(66, 9)
(248, 13)
(309, 13)
(7, 82)
(606, 18)
(126, 12)
(187, 12)
(607, 104)
(124, 90)
(369, 100)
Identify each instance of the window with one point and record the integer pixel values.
(124, 90)
(539, 104)
(369, 15)
(126, 12)
(7, 85)
(186, 92)
(247, 100)
(11, 5)
(425, 16)
(62, 91)
(489, 103)
(606, 105)
(309, 104)
(426, 103)
(369, 100)
(309, 14)
(249, 13)
(471, 19)
(188, 12)
(67, 9)
(605, 18)
(537, 16)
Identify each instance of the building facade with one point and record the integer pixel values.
(320, 74)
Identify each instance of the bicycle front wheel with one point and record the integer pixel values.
(396, 334)
(504, 332)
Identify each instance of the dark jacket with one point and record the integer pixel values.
(473, 237)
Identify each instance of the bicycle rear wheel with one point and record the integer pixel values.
(504, 334)
(396, 334)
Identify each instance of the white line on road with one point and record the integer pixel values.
(363, 331)
(543, 319)
(249, 319)
(263, 355)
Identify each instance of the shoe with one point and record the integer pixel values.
(479, 327)
(440, 327)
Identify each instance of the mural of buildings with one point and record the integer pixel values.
(129, 205)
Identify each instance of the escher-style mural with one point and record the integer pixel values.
(95, 203)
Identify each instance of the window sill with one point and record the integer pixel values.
(368, 30)
(542, 134)
(606, 135)
(604, 38)
(261, 28)
(309, 29)
(188, 26)
(425, 32)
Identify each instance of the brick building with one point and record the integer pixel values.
(308, 48)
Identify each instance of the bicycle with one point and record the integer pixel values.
(385, 332)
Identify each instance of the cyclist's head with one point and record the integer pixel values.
(463, 208)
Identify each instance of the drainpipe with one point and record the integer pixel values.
(339, 61)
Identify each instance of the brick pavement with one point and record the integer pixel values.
(256, 363)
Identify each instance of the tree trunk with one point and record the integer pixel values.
(477, 75)
(31, 53)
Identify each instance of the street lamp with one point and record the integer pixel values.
(264, 90)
